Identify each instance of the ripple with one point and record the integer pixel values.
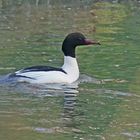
(49, 130)
(43, 90)
(131, 134)
(12, 84)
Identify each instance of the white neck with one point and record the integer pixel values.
(70, 66)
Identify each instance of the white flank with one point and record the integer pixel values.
(70, 66)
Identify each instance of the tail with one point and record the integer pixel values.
(8, 79)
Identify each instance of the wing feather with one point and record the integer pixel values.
(39, 69)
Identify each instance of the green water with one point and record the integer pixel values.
(31, 33)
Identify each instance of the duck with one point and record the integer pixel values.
(67, 74)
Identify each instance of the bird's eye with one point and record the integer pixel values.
(79, 39)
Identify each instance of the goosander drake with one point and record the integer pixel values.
(68, 73)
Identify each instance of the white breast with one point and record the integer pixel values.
(71, 68)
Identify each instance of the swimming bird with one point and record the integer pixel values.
(68, 73)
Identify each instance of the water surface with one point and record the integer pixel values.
(31, 33)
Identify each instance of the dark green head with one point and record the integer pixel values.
(73, 40)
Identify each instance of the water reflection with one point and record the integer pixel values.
(53, 111)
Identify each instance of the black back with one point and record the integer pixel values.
(41, 68)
